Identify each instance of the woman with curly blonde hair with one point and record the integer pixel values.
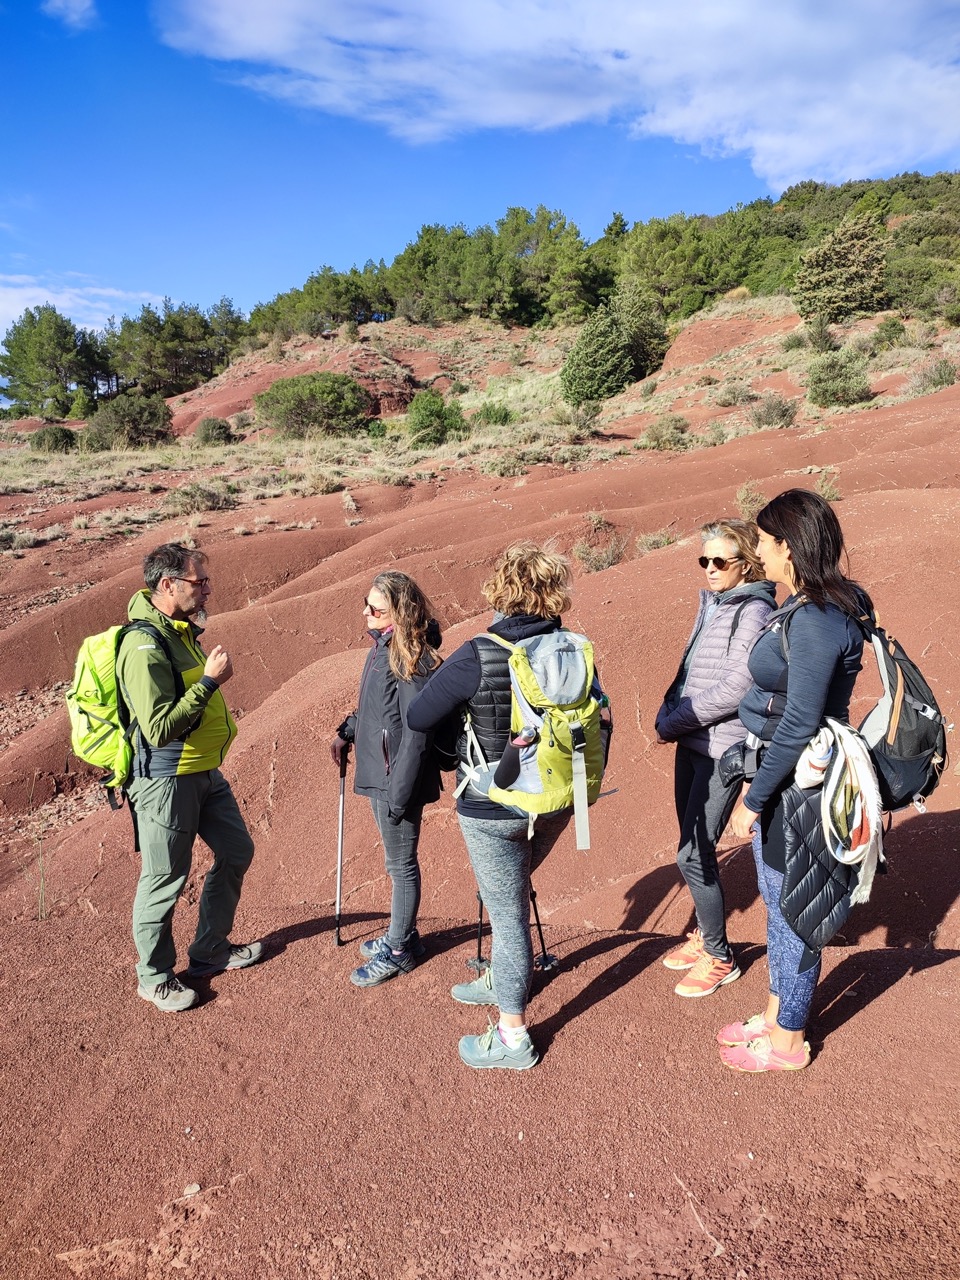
(394, 766)
(528, 589)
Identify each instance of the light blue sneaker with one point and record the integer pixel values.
(488, 1050)
(479, 991)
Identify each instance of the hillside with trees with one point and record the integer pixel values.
(856, 248)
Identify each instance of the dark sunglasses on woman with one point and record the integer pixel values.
(718, 562)
(377, 613)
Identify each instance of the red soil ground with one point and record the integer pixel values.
(294, 1126)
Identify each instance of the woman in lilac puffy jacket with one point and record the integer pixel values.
(699, 714)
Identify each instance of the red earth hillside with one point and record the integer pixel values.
(294, 1126)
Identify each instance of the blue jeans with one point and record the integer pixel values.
(502, 858)
(400, 844)
(785, 950)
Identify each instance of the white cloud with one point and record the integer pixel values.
(86, 303)
(802, 89)
(75, 13)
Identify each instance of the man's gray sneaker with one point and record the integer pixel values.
(488, 1050)
(384, 965)
(170, 996)
(241, 956)
(479, 991)
(372, 946)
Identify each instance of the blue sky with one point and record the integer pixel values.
(195, 148)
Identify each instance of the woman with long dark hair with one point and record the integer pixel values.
(394, 765)
(801, 546)
(699, 714)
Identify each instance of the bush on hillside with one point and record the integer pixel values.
(845, 273)
(600, 362)
(431, 420)
(96, 437)
(83, 407)
(932, 377)
(134, 421)
(819, 334)
(315, 403)
(668, 433)
(493, 413)
(53, 439)
(837, 378)
(890, 332)
(213, 431)
(772, 412)
(188, 499)
(640, 317)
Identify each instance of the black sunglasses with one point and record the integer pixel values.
(377, 613)
(718, 562)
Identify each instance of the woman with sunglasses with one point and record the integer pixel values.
(699, 714)
(801, 546)
(394, 765)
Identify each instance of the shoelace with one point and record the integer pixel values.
(172, 986)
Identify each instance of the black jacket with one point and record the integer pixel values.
(465, 682)
(389, 756)
(815, 897)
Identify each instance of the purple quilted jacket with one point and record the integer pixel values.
(700, 707)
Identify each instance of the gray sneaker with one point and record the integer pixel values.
(488, 1050)
(382, 967)
(479, 991)
(373, 946)
(241, 956)
(170, 996)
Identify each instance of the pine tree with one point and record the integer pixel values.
(844, 274)
(599, 364)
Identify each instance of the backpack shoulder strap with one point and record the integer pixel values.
(781, 620)
(504, 644)
(736, 622)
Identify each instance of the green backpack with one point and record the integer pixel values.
(101, 727)
(555, 711)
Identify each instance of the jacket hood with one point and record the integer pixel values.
(520, 626)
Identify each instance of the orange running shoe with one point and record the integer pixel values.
(686, 955)
(707, 975)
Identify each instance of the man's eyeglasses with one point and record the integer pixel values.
(718, 562)
(377, 613)
(195, 582)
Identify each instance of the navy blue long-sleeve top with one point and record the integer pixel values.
(825, 647)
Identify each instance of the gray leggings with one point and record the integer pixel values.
(400, 856)
(704, 806)
(502, 858)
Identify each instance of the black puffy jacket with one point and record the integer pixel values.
(815, 897)
(390, 757)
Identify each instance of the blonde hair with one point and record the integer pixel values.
(528, 578)
(743, 535)
(411, 613)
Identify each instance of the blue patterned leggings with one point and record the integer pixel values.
(784, 950)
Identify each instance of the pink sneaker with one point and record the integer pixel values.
(707, 975)
(737, 1033)
(687, 954)
(760, 1055)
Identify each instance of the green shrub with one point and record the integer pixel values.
(794, 340)
(350, 331)
(819, 334)
(431, 420)
(773, 412)
(732, 393)
(648, 388)
(890, 332)
(84, 406)
(600, 362)
(96, 437)
(134, 421)
(187, 499)
(845, 273)
(492, 413)
(668, 432)
(213, 431)
(837, 378)
(932, 377)
(53, 439)
(315, 403)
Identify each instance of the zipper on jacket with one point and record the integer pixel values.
(385, 748)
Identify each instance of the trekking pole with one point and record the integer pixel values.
(477, 962)
(544, 960)
(344, 753)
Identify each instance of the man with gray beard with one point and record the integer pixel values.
(181, 732)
